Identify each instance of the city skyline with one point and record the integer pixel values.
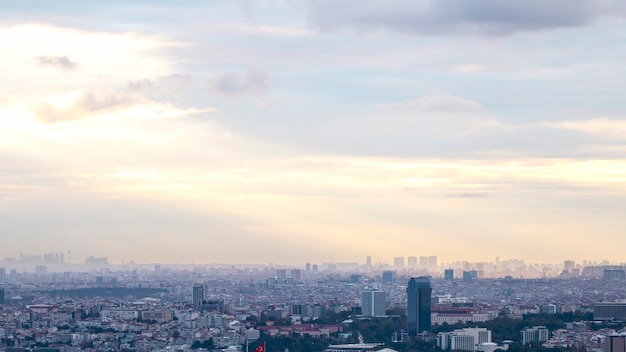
(301, 131)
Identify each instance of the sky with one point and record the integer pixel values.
(313, 131)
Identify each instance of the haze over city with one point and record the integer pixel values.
(323, 131)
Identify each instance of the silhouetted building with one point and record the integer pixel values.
(448, 274)
(1, 296)
(418, 293)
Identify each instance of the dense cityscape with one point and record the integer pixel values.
(419, 304)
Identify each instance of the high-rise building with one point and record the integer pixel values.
(389, 277)
(412, 262)
(198, 296)
(1, 296)
(432, 262)
(281, 273)
(615, 343)
(448, 274)
(296, 275)
(368, 261)
(308, 267)
(3, 274)
(470, 275)
(373, 303)
(423, 262)
(398, 262)
(418, 293)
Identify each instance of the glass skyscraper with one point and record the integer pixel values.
(418, 294)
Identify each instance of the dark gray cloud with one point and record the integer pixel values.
(485, 17)
(60, 62)
(254, 82)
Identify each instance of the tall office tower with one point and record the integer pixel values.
(368, 261)
(412, 262)
(308, 267)
(398, 262)
(432, 262)
(615, 343)
(418, 293)
(314, 268)
(3, 275)
(389, 277)
(373, 303)
(448, 274)
(197, 296)
(281, 273)
(423, 262)
(296, 274)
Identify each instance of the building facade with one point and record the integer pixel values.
(418, 293)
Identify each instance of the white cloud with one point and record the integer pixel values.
(436, 103)
(600, 127)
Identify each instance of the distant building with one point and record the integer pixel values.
(281, 273)
(412, 262)
(610, 310)
(535, 335)
(467, 339)
(432, 261)
(356, 279)
(423, 262)
(373, 303)
(197, 296)
(615, 343)
(296, 275)
(614, 274)
(398, 262)
(389, 277)
(418, 293)
(470, 275)
(1, 296)
(448, 274)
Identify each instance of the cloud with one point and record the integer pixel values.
(139, 84)
(61, 62)
(483, 17)
(254, 82)
(436, 103)
(468, 195)
(602, 127)
(80, 104)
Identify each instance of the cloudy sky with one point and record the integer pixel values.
(322, 131)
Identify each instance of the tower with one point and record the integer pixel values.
(197, 296)
(418, 294)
